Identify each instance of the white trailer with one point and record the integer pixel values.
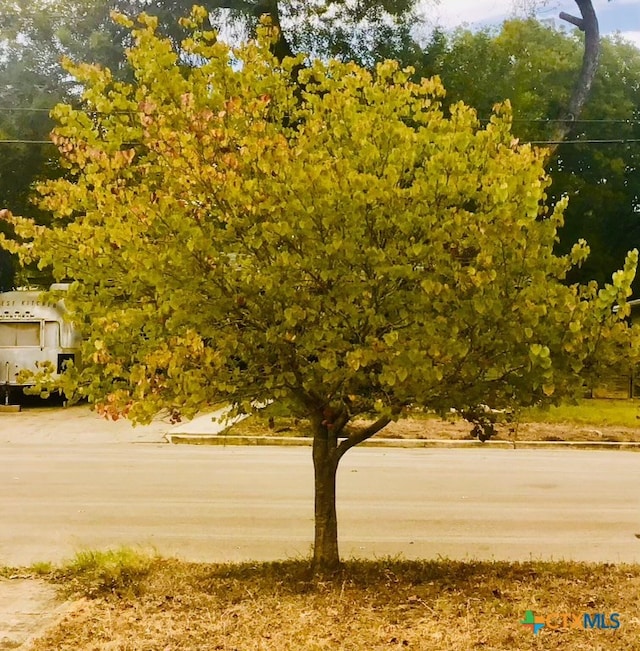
(33, 331)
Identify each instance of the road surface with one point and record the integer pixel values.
(213, 504)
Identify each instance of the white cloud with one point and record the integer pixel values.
(634, 37)
(452, 13)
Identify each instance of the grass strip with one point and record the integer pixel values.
(157, 604)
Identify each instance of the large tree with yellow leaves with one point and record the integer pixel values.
(248, 230)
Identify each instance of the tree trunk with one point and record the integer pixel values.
(325, 463)
(589, 25)
(258, 8)
(327, 452)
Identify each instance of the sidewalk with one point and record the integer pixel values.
(81, 425)
(28, 607)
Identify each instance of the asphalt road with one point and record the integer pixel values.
(211, 503)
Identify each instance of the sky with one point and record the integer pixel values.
(616, 16)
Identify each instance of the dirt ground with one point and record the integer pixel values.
(385, 605)
(433, 428)
(37, 425)
(438, 429)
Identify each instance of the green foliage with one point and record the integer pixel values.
(594, 412)
(365, 32)
(349, 248)
(100, 573)
(535, 67)
(36, 37)
(42, 568)
(531, 65)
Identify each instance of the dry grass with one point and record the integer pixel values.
(370, 605)
(587, 420)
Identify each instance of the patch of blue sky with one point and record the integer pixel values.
(615, 16)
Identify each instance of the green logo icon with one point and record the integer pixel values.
(532, 622)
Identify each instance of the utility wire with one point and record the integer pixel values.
(26, 142)
(558, 120)
(527, 120)
(524, 142)
(25, 109)
(612, 141)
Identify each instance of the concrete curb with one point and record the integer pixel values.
(228, 440)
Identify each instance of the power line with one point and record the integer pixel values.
(613, 141)
(26, 109)
(26, 142)
(627, 141)
(527, 120)
(561, 121)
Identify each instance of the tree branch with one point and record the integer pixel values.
(362, 435)
(578, 22)
(281, 48)
(589, 25)
(341, 421)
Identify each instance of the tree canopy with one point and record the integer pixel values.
(37, 36)
(247, 230)
(535, 66)
(364, 32)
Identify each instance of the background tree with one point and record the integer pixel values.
(36, 36)
(348, 249)
(535, 66)
(364, 32)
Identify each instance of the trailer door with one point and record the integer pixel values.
(51, 334)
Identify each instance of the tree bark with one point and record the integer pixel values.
(328, 427)
(326, 557)
(257, 8)
(589, 25)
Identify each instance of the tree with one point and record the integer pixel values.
(36, 36)
(588, 24)
(534, 66)
(349, 249)
(364, 32)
